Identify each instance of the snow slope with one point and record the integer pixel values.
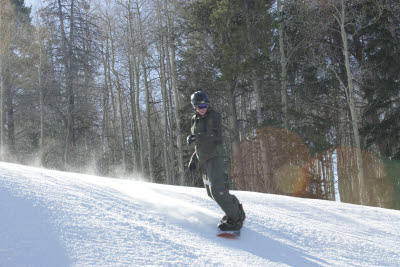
(51, 218)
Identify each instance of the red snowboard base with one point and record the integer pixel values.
(229, 234)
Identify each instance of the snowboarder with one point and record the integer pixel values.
(207, 136)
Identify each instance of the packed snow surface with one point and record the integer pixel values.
(51, 218)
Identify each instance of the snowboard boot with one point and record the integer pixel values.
(229, 224)
(242, 214)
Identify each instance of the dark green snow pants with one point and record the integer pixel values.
(213, 177)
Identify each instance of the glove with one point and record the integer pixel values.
(192, 166)
(190, 139)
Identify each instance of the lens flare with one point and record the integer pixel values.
(291, 179)
(268, 161)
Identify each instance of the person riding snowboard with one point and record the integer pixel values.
(207, 136)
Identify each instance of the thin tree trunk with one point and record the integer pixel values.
(171, 132)
(147, 91)
(2, 105)
(131, 58)
(134, 81)
(66, 66)
(121, 116)
(68, 55)
(139, 116)
(172, 126)
(113, 116)
(258, 95)
(164, 98)
(41, 96)
(6, 18)
(352, 106)
(134, 134)
(122, 124)
(10, 119)
(70, 91)
(283, 68)
(104, 137)
(171, 46)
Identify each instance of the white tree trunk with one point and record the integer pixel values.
(147, 91)
(131, 62)
(176, 101)
(351, 103)
(164, 96)
(121, 112)
(139, 116)
(41, 95)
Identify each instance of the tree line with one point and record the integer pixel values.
(308, 90)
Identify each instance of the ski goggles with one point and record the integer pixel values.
(202, 106)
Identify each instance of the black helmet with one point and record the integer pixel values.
(199, 98)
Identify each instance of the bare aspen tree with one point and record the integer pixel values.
(69, 82)
(171, 137)
(40, 39)
(137, 108)
(147, 92)
(118, 85)
(110, 114)
(6, 20)
(134, 125)
(258, 99)
(171, 111)
(138, 114)
(340, 16)
(171, 45)
(132, 103)
(164, 94)
(134, 81)
(105, 100)
(350, 96)
(87, 47)
(113, 107)
(67, 55)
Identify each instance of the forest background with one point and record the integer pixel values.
(309, 91)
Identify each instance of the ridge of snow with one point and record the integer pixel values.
(53, 218)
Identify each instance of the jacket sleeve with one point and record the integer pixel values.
(211, 135)
(193, 158)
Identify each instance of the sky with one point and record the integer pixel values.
(34, 3)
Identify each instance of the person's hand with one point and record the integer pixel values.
(190, 139)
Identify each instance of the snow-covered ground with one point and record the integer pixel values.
(51, 218)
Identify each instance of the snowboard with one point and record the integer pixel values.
(229, 234)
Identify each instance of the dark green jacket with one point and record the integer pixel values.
(208, 132)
